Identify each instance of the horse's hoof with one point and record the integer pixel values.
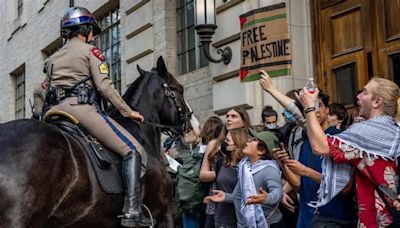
(142, 222)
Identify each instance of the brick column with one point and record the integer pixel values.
(164, 15)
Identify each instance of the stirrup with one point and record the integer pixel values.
(134, 222)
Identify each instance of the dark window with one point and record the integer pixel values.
(20, 95)
(190, 54)
(345, 84)
(396, 68)
(109, 42)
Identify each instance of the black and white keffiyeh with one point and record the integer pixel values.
(379, 136)
(334, 179)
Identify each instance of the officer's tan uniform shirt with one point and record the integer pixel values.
(70, 65)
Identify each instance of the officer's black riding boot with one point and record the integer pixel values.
(132, 210)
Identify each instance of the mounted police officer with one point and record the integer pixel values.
(77, 73)
(39, 95)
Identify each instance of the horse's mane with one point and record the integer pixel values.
(132, 97)
(134, 92)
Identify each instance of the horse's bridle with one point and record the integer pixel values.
(174, 131)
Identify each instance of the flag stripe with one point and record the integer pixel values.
(272, 74)
(285, 62)
(265, 19)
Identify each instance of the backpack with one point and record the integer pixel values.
(296, 140)
(189, 190)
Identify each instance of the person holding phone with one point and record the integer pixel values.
(257, 195)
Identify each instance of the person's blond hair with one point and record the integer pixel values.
(389, 92)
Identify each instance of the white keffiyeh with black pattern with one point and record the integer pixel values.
(379, 136)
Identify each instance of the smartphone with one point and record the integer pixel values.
(277, 145)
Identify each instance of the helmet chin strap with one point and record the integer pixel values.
(87, 35)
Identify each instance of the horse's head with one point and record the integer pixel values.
(165, 94)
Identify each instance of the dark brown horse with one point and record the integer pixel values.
(46, 179)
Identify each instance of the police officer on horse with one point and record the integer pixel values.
(77, 75)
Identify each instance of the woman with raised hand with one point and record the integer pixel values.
(258, 192)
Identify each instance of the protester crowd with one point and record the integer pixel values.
(322, 168)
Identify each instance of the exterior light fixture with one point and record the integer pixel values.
(205, 27)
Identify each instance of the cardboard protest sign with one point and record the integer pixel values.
(265, 43)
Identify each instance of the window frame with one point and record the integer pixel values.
(105, 42)
(19, 94)
(200, 59)
(352, 67)
(395, 68)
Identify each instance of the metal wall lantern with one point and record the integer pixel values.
(205, 27)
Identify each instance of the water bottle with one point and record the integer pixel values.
(312, 87)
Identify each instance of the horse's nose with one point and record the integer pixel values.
(194, 123)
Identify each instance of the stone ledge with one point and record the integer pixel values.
(139, 56)
(228, 5)
(137, 6)
(226, 40)
(139, 30)
(225, 76)
(16, 30)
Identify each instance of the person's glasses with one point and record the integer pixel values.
(252, 139)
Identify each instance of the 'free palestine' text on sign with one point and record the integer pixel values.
(265, 43)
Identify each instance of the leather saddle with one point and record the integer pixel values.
(106, 165)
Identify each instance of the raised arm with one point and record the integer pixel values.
(316, 134)
(206, 173)
(285, 101)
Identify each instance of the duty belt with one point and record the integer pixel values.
(84, 94)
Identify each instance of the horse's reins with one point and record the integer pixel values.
(171, 130)
(178, 127)
(162, 125)
(182, 117)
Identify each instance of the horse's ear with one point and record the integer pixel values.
(161, 68)
(141, 71)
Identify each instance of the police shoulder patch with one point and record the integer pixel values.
(103, 68)
(96, 52)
